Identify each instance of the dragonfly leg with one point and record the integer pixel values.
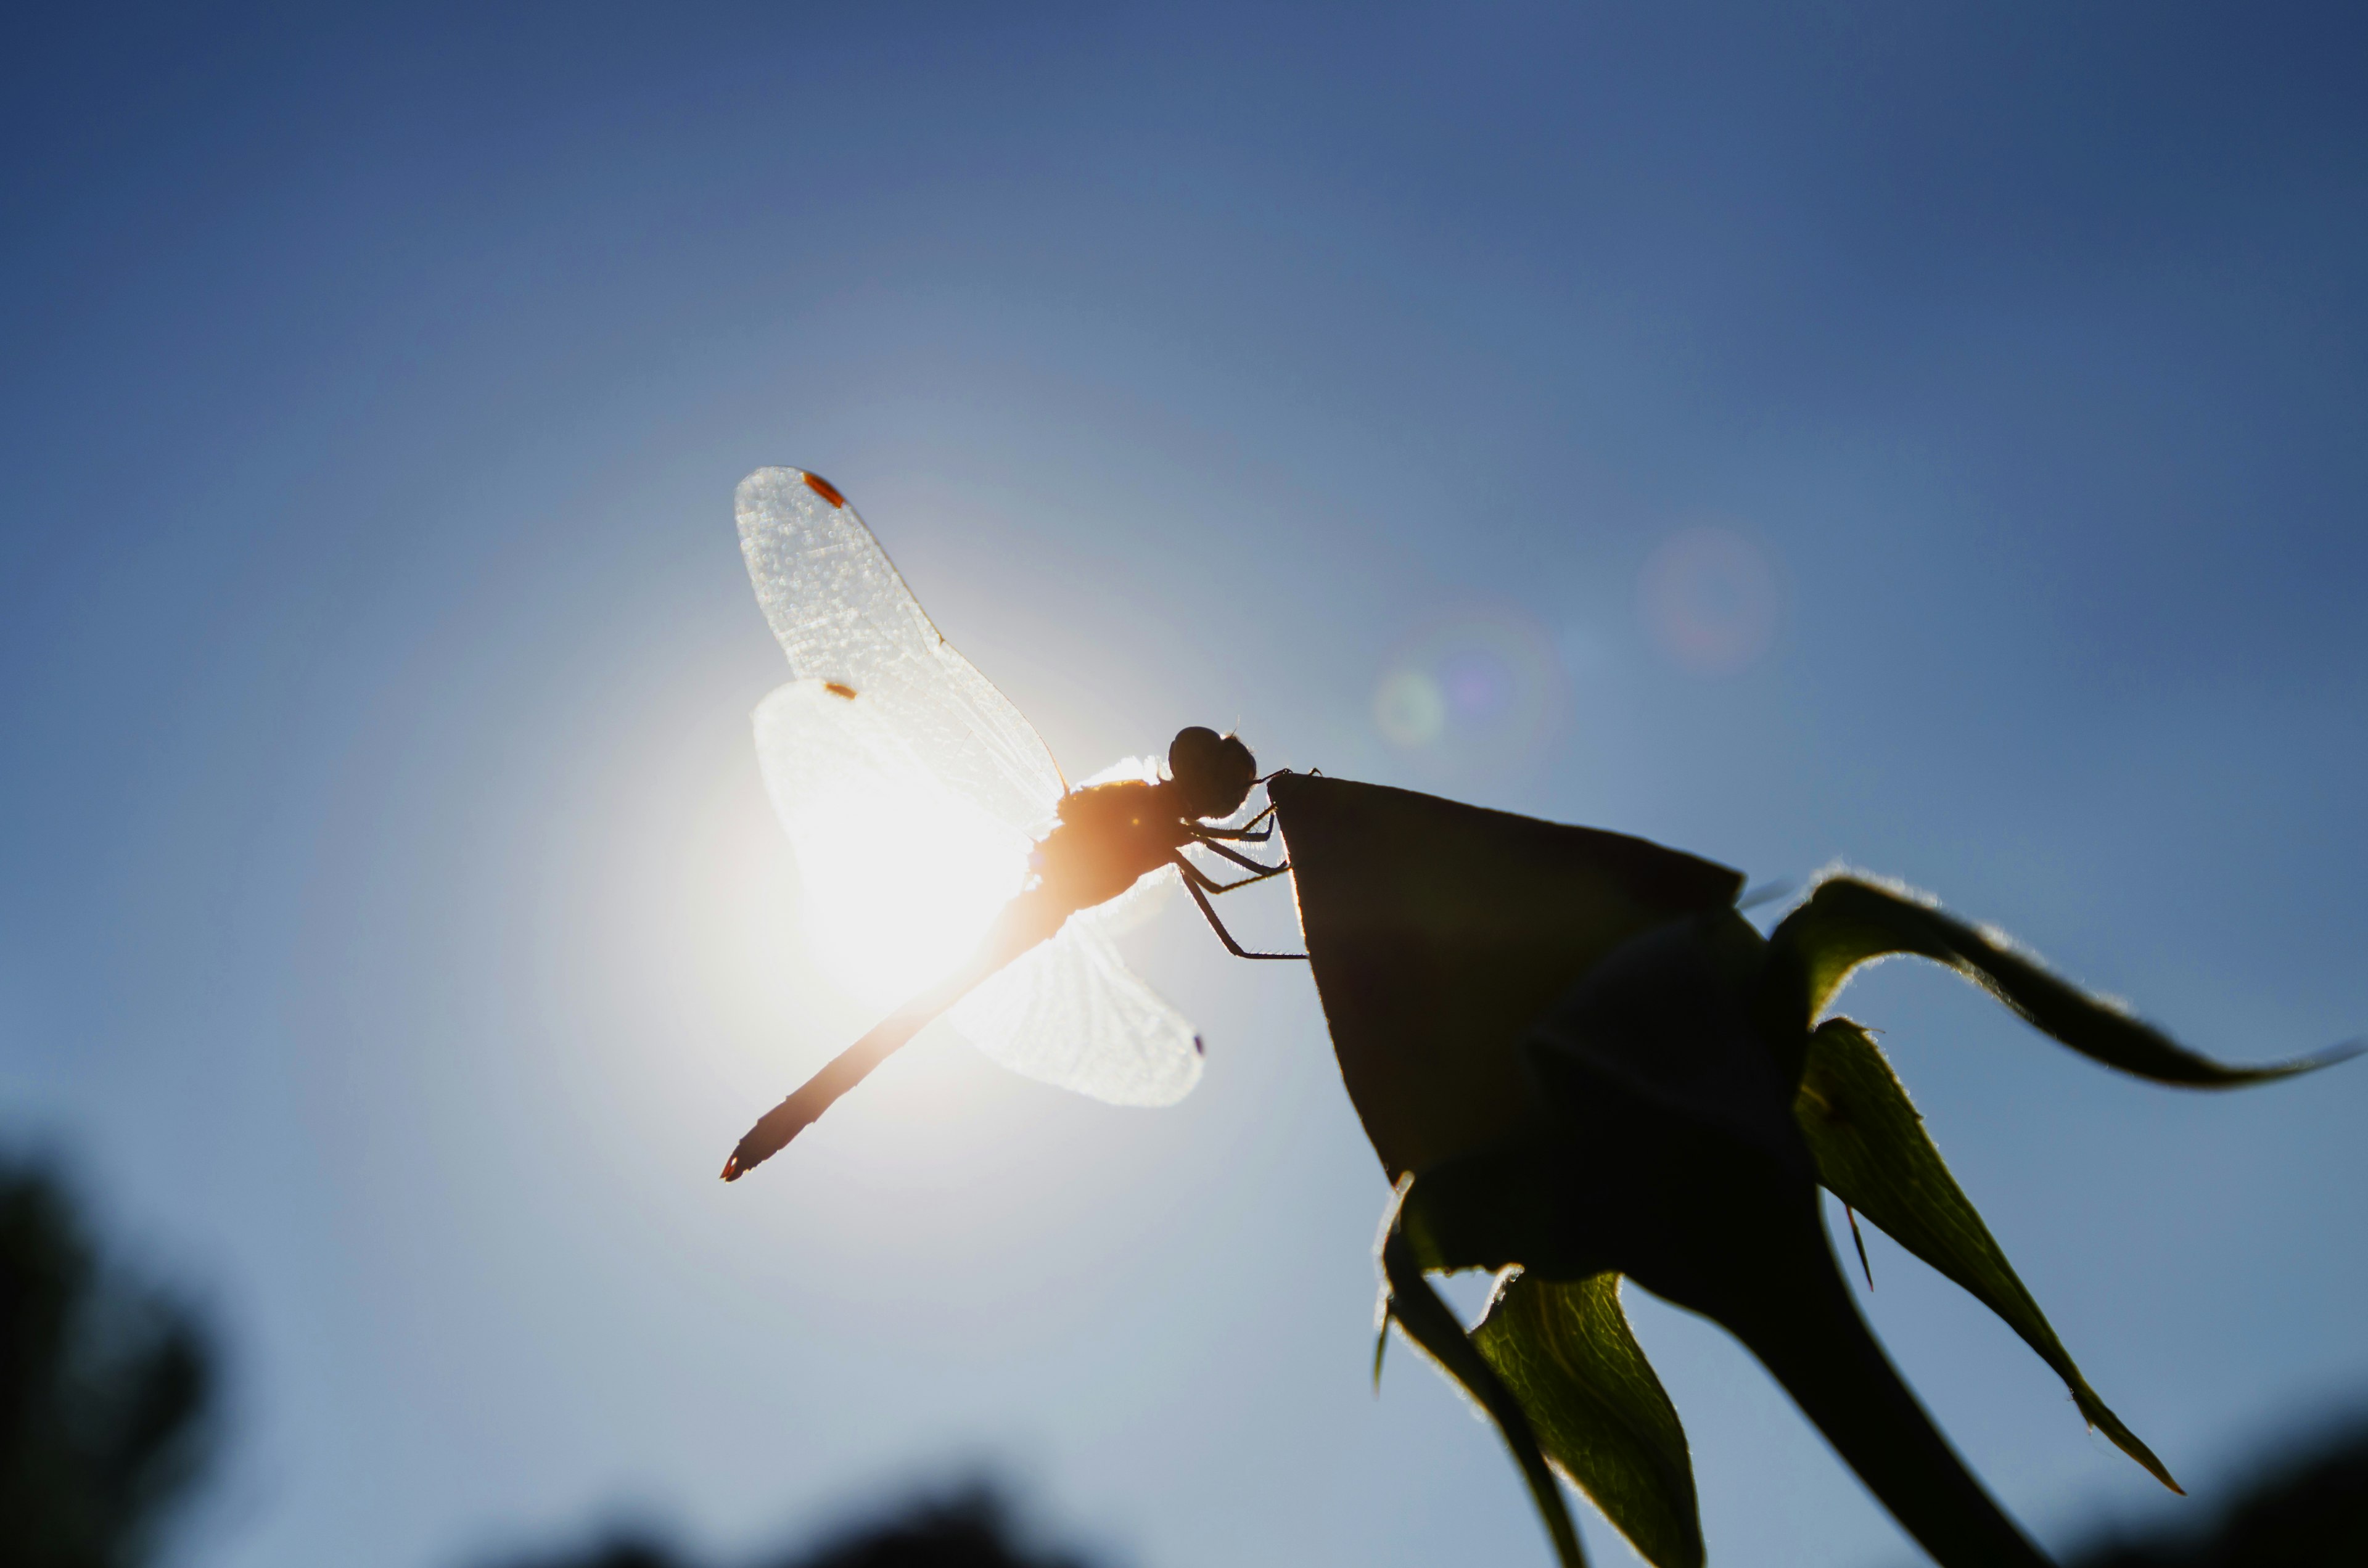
(1242, 860)
(1241, 833)
(1192, 880)
(1206, 883)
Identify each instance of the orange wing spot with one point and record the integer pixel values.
(823, 488)
(839, 688)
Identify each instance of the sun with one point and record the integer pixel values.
(902, 878)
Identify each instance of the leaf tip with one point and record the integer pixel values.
(2333, 1055)
(2099, 1416)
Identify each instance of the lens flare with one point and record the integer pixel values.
(1410, 709)
(1479, 689)
(1711, 601)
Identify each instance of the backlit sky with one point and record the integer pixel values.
(1932, 440)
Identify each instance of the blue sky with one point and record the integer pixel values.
(395, 936)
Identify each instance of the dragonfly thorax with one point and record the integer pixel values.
(1111, 834)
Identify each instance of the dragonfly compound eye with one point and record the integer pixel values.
(1212, 771)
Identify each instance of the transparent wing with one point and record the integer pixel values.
(910, 790)
(901, 876)
(1132, 907)
(842, 614)
(1072, 1014)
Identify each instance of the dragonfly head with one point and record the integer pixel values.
(1212, 772)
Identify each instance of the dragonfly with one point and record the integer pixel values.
(945, 858)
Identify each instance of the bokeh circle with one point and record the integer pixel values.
(1477, 689)
(1711, 601)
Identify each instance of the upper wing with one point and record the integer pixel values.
(1070, 1012)
(843, 615)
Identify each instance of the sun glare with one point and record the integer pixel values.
(901, 881)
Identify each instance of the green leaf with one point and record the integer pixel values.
(1873, 1153)
(1715, 1225)
(1651, 1160)
(1415, 1308)
(1847, 923)
(1656, 1164)
(1566, 1352)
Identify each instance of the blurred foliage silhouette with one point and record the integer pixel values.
(107, 1391)
(2309, 1511)
(969, 1529)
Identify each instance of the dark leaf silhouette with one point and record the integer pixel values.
(1440, 931)
(1873, 1153)
(1671, 1157)
(1578, 1061)
(1848, 922)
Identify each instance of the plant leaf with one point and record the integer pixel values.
(1438, 931)
(1847, 923)
(1650, 1160)
(1873, 1153)
(1566, 1352)
(1415, 1308)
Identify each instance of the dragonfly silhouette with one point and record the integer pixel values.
(908, 784)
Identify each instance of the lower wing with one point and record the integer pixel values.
(1070, 1014)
